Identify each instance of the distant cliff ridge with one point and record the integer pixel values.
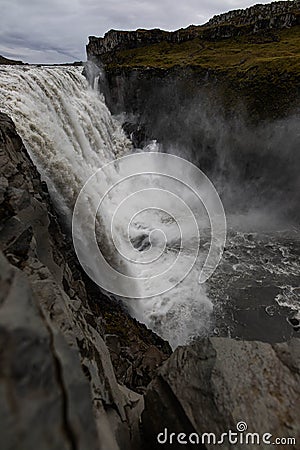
(7, 61)
(245, 57)
(282, 13)
(258, 18)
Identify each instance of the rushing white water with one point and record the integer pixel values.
(70, 133)
(66, 127)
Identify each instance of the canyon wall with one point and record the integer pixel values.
(75, 368)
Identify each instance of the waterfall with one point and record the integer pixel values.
(65, 125)
(70, 134)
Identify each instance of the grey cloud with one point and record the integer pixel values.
(57, 30)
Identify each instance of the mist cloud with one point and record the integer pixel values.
(55, 31)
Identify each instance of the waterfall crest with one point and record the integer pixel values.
(65, 125)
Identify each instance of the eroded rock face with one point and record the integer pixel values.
(116, 40)
(211, 386)
(58, 386)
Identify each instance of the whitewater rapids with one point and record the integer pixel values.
(69, 134)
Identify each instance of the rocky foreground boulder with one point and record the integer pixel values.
(220, 384)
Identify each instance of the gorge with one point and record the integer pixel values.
(82, 368)
(225, 96)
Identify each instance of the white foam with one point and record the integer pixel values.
(70, 133)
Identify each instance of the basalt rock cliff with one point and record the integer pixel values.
(75, 368)
(250, 54)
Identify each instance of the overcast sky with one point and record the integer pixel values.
(39, 31)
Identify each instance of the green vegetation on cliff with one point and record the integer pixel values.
(262, 69)
(280, 50)
(244, 58)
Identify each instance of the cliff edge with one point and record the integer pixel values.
(252, 54)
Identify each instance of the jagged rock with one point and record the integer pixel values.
(212, 385)
(59, 387)
(45, 399)
(130, 343)
(134, 368)
(36, 310)
(116, 40)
